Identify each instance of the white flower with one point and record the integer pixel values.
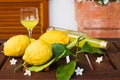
(27, 72)
(13, 61)
(99, 59)
(79, 71)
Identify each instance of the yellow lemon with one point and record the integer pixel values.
(32, 39)
(16, 45)
(38, 53)
(55, 36)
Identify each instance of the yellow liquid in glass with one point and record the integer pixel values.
(29, 24)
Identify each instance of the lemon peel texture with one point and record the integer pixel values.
(38, 53)
(55, 36)
(16, 45)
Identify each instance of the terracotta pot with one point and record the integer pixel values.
(98, 20)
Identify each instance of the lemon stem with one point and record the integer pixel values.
(72, 44)
(18, 68)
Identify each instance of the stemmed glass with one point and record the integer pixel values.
(29, 18)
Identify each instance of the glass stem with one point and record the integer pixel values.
(30, 33)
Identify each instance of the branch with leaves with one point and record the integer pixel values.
(61, 51)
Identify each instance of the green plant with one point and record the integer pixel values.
(103, 2)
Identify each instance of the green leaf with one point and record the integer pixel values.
(89, 49)
(64, 72)
(58, 49)
(41, 67)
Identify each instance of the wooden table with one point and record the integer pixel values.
(108, 69)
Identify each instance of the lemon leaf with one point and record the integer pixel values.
(64, 72)
(89, 49)
(58, 49)
(41, 67)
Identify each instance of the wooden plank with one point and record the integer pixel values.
(35, 76)
(117, 44)
(1, 46)
(17, 6)
(9, 20)
(51, 76)
(22, 31)
(2, 57)
(44, 8)
(83, 63)
(8, 67)
(6, 36)
(104, 65)
(113, 54)
(82, 60)
(112, 47)
(20, 0)
(114, 59)
(98, 75)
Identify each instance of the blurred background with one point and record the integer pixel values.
(61, 14)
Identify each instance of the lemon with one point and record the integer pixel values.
(55, 36)
(38, 53)
(16, 45)
(32, 39)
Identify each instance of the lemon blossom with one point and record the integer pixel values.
(79, 71)
(27, 72)
(13, 61)
(99, 59)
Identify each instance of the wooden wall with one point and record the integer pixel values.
(10, 17)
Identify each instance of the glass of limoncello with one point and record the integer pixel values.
(29, 18)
